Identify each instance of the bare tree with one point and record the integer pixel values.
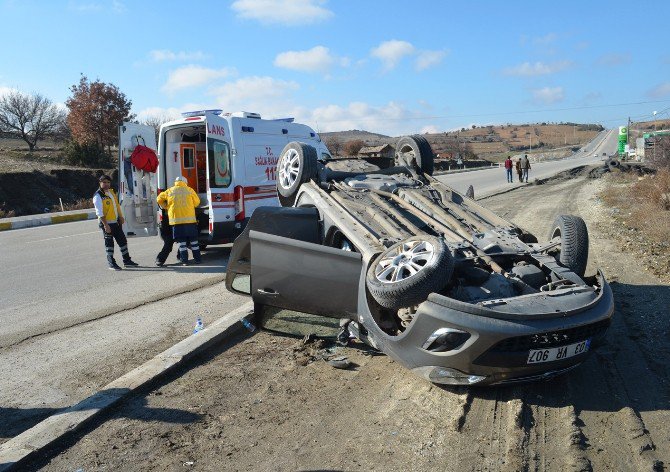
(659, 155)
(31, 117)
(334, 145)
(156, 121)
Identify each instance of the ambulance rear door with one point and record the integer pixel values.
(137, 188)
(263, 142)
(220, 170)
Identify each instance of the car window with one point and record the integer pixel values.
(218, 153)
(296, 323)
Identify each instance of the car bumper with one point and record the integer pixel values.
(498, 347)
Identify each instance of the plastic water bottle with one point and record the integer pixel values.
(199, 326)
(249, 325)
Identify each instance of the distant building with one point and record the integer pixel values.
(385, 150)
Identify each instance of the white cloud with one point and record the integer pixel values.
(265, 95)
(167, 113)
(432, 129)
(84, 6)
(539, 68)
(426, 59)
(284, 12)
(392, 119)
(548, 95)
(164, 55)
(391, 52)
(613, 60)
(194, 76)
(119, 7)
(318, 59)
(546, 39)
(660, 91)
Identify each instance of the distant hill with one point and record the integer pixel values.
(489, 142)
(371, 139)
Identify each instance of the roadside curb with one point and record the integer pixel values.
(48, 432)
(46, 219)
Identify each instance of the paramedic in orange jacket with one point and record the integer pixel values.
(109, 213)
(181, 201)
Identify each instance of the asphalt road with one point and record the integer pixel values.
(56, 276)
(493, 179)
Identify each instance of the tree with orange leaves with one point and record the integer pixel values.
(96, 111)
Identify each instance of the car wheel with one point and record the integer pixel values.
(407, 272)
(415, 151)
(296, 165)
(574, 247)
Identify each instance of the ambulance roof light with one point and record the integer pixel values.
(188, 114)
(287, 120)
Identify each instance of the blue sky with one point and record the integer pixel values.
(394, 67)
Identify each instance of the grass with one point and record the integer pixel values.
(81, 204)
(641, 206)
(7, 214)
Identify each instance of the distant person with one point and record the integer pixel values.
(181, 201)
(508, 169)
(519, 171)
(525, 167)
(109, 214)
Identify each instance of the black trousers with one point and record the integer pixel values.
(116, 234)
(168, 242)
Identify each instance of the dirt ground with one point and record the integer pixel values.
(266, 402)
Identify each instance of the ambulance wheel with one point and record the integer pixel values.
(297, 165)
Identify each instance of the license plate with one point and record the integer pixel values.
(558, 353)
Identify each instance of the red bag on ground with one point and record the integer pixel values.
(144, 158)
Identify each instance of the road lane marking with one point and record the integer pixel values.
(61, 237)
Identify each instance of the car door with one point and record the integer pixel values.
(220, 171)
(137, 188)
(303, 276)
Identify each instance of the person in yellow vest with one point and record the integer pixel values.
(108, 211)
(180, 201)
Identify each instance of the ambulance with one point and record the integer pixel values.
(229, 159)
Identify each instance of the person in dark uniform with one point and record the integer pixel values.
(109, 214)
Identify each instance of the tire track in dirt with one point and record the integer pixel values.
(631, 418)
(604, 428)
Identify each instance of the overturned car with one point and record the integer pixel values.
(420, 272)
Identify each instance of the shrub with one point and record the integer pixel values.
(7, 213)
(87, 155)
(654, 189)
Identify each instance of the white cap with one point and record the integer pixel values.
(180, 178)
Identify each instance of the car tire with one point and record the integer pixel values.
(415, 151)
(574, 252)
(407, 272)
(297, 164)
(613, 164)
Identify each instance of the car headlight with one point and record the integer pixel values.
(445, 339)
(447, 376)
